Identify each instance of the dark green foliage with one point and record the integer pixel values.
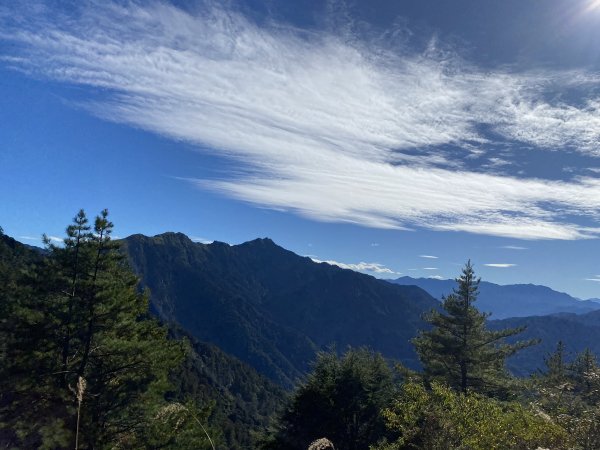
(459, 350)
(341, 399)
(244, 401)
(271, 308)
(16, 259)
(556, 365)
(81, 358)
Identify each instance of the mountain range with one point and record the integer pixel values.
(263, 311)
(576, 331)
(513, 300)
(272, 308)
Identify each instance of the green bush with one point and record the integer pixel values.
(441, 418)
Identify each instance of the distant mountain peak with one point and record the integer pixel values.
(168, 236)
(264, 246)
(179, 236)
(265, 242)
(174, 234)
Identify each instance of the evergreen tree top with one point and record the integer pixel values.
(459, 349)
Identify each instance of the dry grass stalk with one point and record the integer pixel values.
(173, 409)
(81, 385)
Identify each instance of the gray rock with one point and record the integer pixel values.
(321, 444)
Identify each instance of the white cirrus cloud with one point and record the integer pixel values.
(324, 126)
(50, 238)
(360, 267)
(500, 265)
(201, 240)
(514, 247)
(436, 277)
(428, 256)
(430, 268)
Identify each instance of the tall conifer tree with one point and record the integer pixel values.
(86, 366)
(459, 350)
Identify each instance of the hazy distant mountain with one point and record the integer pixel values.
(272, 308)
(513, 300)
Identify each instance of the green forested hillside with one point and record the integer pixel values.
(14, 255)
(244, 402)
(465, 398)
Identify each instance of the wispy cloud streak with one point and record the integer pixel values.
(500, 265)
(201, 240)
(329, 128)
(376, 268)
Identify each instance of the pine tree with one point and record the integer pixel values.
(341, 400)
(459, 350)
(86, 366)
(556, 364)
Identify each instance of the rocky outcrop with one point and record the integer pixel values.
(321, 444)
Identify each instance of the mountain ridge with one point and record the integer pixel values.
(272, 308)
(511, 300)
(301, 316)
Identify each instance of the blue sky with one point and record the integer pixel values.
(390, 137)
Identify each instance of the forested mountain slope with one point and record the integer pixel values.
(244, 400)
(241, 401)
(576, 331)
(272, 308)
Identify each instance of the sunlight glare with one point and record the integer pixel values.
(593, 5)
